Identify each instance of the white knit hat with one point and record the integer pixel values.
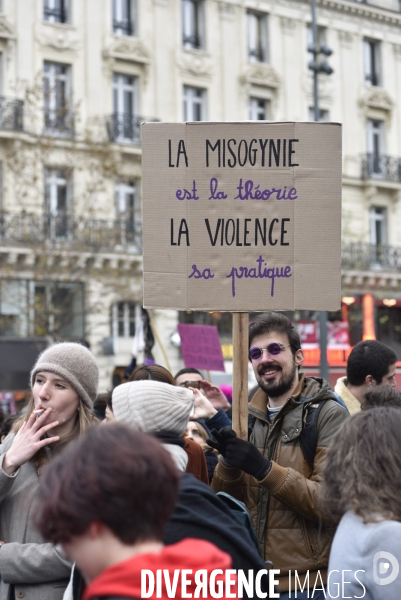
(152, 406)
(74, 363)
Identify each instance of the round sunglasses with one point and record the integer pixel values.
(273, 349)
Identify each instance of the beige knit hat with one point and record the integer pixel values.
(152, 406)
(74, 363)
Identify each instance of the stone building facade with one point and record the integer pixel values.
(77, 80)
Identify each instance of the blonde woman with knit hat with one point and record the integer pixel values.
(64, 384)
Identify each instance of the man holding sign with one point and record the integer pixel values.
(278, 472)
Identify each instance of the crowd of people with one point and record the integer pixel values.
(97, 490)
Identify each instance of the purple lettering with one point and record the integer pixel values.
(271, 273)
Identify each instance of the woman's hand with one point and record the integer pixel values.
(27, 441)
(214, 395)
(203, 409)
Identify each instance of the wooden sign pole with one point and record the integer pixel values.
(240, 374)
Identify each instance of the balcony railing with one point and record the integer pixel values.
(381, 166)
(11, 114)
(124, 27)
(70, 233)
(256, 54)
(192, 41)
(125, 128)
(393, 5)
(59, 122)
(368, 257)
(55, 15)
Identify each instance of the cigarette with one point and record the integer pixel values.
(39, 412)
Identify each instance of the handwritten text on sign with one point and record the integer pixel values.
(228, 208)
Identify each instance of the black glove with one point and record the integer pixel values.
(221, 438)
(240, 453)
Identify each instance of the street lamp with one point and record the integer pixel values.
(316, 65)
(319, 66)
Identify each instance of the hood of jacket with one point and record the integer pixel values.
(124, 578)
(342, 390)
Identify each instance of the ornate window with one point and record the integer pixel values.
(194, 103)
(58, 117)
(193, 29)
(257, 37)
(259, 109)
(124, 17)
(126, 121)
(123, 319)
(372, 62)
(55, 11)
(58, 202)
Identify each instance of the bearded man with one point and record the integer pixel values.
(278, 472)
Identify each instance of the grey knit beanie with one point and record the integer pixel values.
(74, 363)
(152, 406)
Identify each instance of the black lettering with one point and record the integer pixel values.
(212, 148)
(263, 148)
(181, 150)
(242, 164)
(262, 232)
(226, 232)
(291, 151)
(252, 161)
(284, 151)
(246, 232)
(276, 152)
(183, 231)
(170, 164)
(229, 162)
(213, 240)
(271, 232)
(237, 242)
(172, 243)
(283, 232)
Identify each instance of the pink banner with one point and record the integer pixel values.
(200, 347)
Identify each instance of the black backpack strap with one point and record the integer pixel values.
(308, 435)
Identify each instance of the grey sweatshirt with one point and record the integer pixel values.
(365, 560)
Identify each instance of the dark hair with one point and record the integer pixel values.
(152, 372)
(99, 405)
(116, 475)
(7, 425)
(3, 417)
(369, 358)
(381, 395)
(187, 370)
(277, 323)
(363, 466)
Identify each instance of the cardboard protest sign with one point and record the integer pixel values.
(200, 347)
(242, 216)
